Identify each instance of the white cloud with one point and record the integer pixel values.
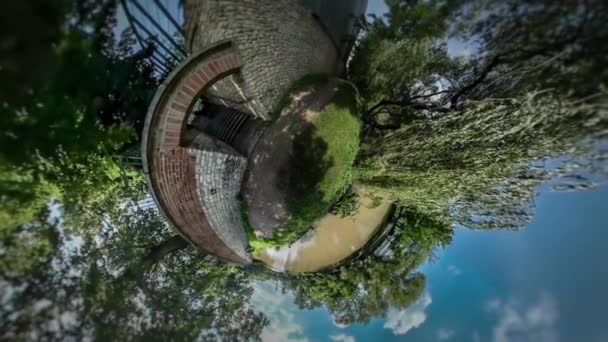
(517, 322)
(445, 334)
(402, 321)
(281, 332)
(283, 326)
(493, 304)
(342, 338)
(454, 270)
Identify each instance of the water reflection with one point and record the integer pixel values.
(369, 287)
(334, 239)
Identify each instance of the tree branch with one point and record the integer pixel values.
(408, 104)
(496, 60)
(160, 251)
(155, 255)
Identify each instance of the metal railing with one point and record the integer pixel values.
(154, 24)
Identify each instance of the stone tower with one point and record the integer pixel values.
(244, 54)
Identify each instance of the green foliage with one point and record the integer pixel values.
(415, 19)
(477, 167)
(60, 113)
(422, 231)
(323, 159)
(22, 197)
(365, 289)
(535, 45)
(108, 280)
(465, 137)
(75, 100)
(348, 204)
(403, 64)
(401, 51)
(311, 81)
(25, 247)
(258, 244)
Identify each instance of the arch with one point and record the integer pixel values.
(170, 166)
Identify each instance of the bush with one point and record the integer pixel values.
(348, 204)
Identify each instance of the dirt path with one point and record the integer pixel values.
(267, 179)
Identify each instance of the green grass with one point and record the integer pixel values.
(257, 244)
(311, 80)
(323, 160)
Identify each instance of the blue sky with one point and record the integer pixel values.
(377, 7)
(546, 282)
(171, 5)
(552, 269)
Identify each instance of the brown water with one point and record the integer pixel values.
(333, 240)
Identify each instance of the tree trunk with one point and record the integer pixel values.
(155, 255)
(158, 252)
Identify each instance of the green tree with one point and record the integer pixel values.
(367, 288)
(76, 97)
(60, 127)
(132, 279)
(470, 138)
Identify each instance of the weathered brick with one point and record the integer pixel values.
(178, 106)
(174, 171)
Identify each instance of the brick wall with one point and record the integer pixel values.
(279, 42)
(175, 172)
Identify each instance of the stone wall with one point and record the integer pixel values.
(219, 178)
(176, 172)
(279, 41)
(340, 19)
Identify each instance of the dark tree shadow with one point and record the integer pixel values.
(308, 164)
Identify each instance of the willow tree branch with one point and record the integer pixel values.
(407, 104)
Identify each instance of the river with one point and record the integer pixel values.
(333, 240)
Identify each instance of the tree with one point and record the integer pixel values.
(132, 279)
(480, 167)
(367, 288)
(401, 64)
(401, 60)
(76, 98)
(468, 138)
(61, 125)
(80, 258)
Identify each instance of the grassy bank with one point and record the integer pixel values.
(324, 155)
